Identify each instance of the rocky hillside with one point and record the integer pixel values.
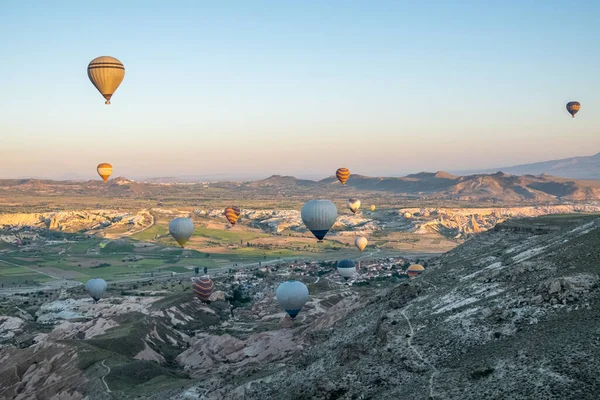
(513, 313)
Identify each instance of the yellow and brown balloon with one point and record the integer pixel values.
(573, 107)
(106, 74)
(104, 170)
(342, 174)
(232, 214)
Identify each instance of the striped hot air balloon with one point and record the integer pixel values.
(181, 229)
(96, 288)
(347, 269)
(361, 242)
(573, 107)
(292, 296)
(353, 205)
(106, 74)
(319, 216)
(104, 170)
(203, 287)
(232, 214)
(342, 174)
(414, 270)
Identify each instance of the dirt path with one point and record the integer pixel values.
(418, 353)
(105, 375)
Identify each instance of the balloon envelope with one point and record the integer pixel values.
(372, 208)
(96, 288)
(319, 216)
(353, 205)
(342, 174)
(347, 268)
(203, 287)
(181, 229)
(104, 170)
(106, 74)
(292, 296)
(415, 270)
(232, 214)
(361, 242)
(573, 107)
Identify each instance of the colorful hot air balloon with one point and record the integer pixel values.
(292, 296)
(319, 216)
(232, 214)
(106, 73)
(181, 229)
(573, 107)
(415, 270)
(347, 268)
(203, 287)
(353, 205)
(361, 242)
(372, 208)
(96, 288)
(407, 215)
(104, 170)
(342, 174)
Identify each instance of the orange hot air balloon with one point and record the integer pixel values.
(342, 174)
(106, 74)
(414, 270)
(232, 214)
(573, 107)
(104, 170)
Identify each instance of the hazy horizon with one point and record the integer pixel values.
(261, 88)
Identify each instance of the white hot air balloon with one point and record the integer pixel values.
(347, 268)
(181, 229)
(319, 216)
(353, 205)
(96, 288)
(292, 296)
(361, 242)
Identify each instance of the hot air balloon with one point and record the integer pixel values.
(415, 270)
(232, 214)
(96, 288)
(104, 170)
(181, 229)
(292, 296)
(342, 174)
(407, 215)
(353, 205)
(347, 268)
(361, 242)
(372, 208)
(573, 107)
(319, 216)
(106, 73)
(203, 287)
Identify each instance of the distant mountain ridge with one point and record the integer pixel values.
(496, 187)
(583, 167)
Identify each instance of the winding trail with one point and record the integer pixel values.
(105, 375)
(418, 353)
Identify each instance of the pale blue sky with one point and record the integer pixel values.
(301, 88)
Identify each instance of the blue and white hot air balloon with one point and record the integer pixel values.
(292, 296)
(319, 216)
(96, 288)
(347, 268)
